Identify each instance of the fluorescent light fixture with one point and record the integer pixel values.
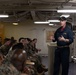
(67, 11)
(65, 16)
(74, 1)
(74, 58)
(15, 23)
(53, 21)
(41, 22)
(4, 16)
(51, 24)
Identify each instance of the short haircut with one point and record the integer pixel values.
(20, 39)
(18, 46)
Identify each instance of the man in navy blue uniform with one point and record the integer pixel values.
(64, 37)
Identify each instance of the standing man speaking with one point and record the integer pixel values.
(64, 37)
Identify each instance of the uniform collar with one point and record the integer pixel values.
(62, 29)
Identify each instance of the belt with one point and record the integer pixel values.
(62, 46)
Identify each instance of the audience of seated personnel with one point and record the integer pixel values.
(17, 54)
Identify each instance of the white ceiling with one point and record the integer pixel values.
(20, 10)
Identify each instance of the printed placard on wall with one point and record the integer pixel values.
(49, 34)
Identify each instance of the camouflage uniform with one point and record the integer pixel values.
(4, 49)
(9, 55)
(28, 50)
(7, 68)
